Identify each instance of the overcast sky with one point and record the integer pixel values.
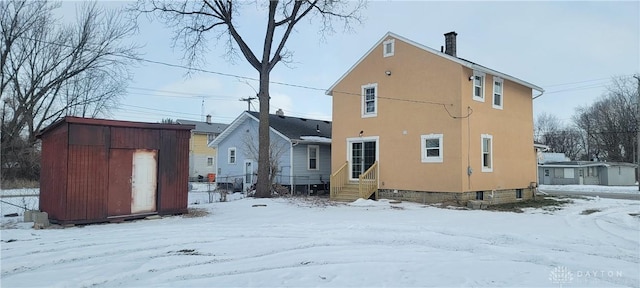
(571, 49)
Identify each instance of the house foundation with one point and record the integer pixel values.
(459, 198)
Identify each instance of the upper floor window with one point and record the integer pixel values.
(388, 47)
(487, 153)
(431, 148)
(370, 100)
(232, 155)
(478, 86)
(210, 137)
(312, 156)
(209, 161)
(497, 92)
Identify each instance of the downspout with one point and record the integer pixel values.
(291, 176)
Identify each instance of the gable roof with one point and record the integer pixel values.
(204, 127)
(291, 128)
(460, 61)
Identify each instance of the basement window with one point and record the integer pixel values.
(518, 193)
(479, 195)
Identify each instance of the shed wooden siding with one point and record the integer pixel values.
(54, 153)
(76, 178)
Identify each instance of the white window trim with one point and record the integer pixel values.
(425, 158)
(473, 86)
(486, 169)
(493, 100)
(317, 157)
(235, 156)
(363, 105)
(384, 48)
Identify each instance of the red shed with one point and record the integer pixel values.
(96, 170)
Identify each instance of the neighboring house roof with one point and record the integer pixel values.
(578, 164)
(293, 129)
(548, 157)
(458, 60)
(204, 127)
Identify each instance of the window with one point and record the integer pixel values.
(431, 148)
(312, 156)
(209, 161)
(569, 173)
(558, 173)
(546, 172)
(497, 92)
(487, 153)
(370, 100)
(479, 195)
(388, 48)
(478, 86)
(210, 137)
(518, 193)
(232, 155)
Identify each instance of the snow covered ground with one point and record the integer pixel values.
(299, 243)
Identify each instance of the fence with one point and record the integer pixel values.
(16, 201)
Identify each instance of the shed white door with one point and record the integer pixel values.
(144, 181)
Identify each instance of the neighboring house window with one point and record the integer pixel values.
(210, 137)
(592, 171)
(312, 156)
(369, 100)
(558, 173)
(388, 47)
(478, 86)
(518, 193)
(431, 148)
(569, 173)
(209, 161)
(487, 153)
(232, 155)
(497, 92)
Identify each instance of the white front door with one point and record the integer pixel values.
(362, 153)
(143, 181)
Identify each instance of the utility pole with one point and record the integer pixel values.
(638, 131)
(248, 100)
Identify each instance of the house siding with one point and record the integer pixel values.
(428, 94)
(304, 176)
(198, 154)
(227, 173)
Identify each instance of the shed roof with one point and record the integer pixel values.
(114, 123)
(205, 127)
(458, 60)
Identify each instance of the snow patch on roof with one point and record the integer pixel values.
(317, 139)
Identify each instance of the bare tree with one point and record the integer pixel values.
(610, 124)
(194, 20)
(276, 150)
(51, 69)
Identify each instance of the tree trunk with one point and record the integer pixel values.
(263, 186)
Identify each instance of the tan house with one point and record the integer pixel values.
(418, 124)
(202, 158)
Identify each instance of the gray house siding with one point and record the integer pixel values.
(610, 175)
(238, 139)
(305, 178)
(619, 176)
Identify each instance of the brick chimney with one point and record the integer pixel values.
(450, 43)
(209, 119)
(280, 112)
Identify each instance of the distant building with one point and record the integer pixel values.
(546, 157)
(587, 173)
(202, 158)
